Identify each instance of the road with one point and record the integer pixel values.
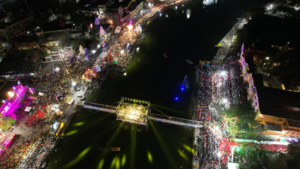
(226, 42)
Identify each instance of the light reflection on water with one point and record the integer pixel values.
(188, 13)
(209, 2)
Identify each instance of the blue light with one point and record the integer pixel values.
(176, 98)
(182, 89)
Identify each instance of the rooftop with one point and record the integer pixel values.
(18, 63)
(133, 111)
(276, 102)
(14, 18)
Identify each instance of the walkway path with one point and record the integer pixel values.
(226, 42)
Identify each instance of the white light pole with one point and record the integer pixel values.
(219, 155)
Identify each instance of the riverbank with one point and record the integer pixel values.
(150, 76)
(110, 68)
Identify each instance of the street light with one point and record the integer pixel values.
(219, 155)
(225, 100)
(10, 94)
(223, 73)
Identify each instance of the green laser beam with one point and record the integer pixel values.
(158, 110)
(164, 146)
(166, 108)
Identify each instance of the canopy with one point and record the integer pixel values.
(57, 69)
(41, 94)
(101, 31)
(68, 99)
(97, 22)
(118, 29)
(28, 109)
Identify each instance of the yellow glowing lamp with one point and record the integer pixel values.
(62, 125)
(130, 26)
(10, 94)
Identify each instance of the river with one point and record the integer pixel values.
(155, 78)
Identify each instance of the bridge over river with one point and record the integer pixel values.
(142, 118)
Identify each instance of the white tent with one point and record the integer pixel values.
(81, 50)
(233, 165)
(57, 69)
(101, 31)
(139, 29)
(41, 94)
(27, 109)
(118, 29)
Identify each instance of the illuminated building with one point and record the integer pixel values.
(133, 111)
(89, 75)
(278, 110)
(54, 127)
(13, 26)
(12, 103)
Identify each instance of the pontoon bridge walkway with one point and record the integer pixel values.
(97, 106)
(151, 116)
(175, 120)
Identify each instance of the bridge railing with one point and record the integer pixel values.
(175, 119)
(100, 105)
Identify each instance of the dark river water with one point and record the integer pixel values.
(155, 78)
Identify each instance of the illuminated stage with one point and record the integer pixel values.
(133, 111)
(14, 100)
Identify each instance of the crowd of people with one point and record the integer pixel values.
(35, 150)
(59, 84)
(10, 158)
(218, 87)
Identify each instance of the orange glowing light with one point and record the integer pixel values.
(10, 94)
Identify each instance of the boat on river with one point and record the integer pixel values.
(115, 149)
(189, 61)
(44, 165)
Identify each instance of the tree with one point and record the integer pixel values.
(6, 123)
(43, 53)
(79, 19)
(77, 42)
(243, 112)
(294, 153)
(255, 154)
